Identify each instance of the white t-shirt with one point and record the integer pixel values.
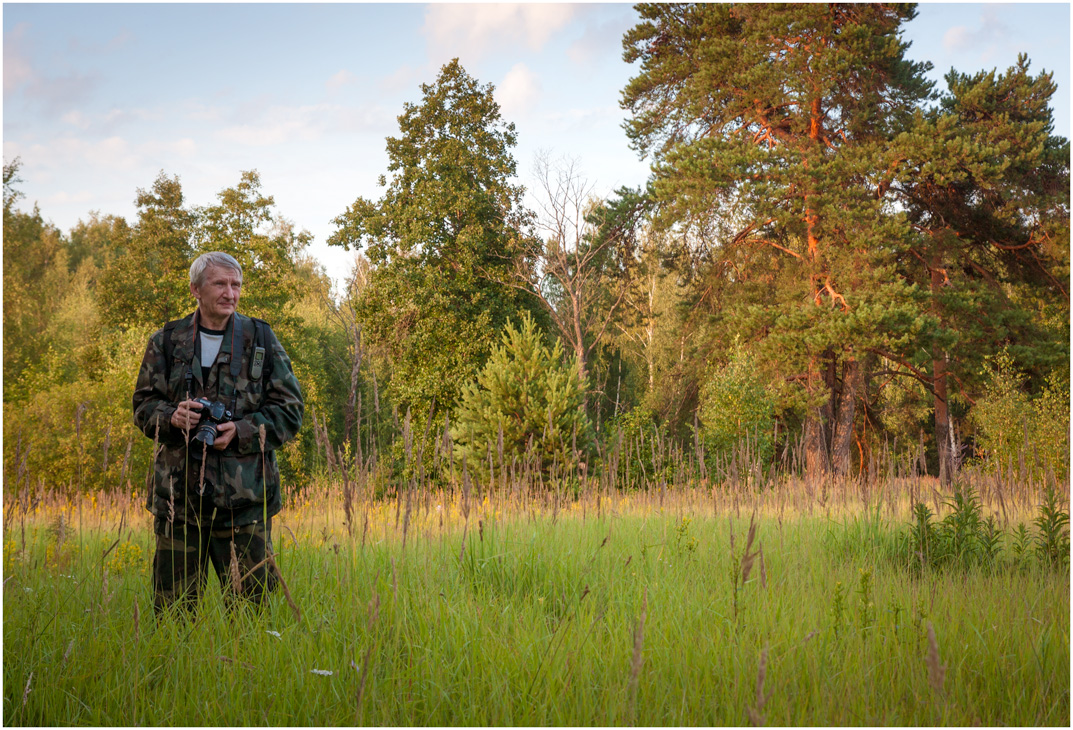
(211, 340)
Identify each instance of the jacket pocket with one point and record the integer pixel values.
(243, 480)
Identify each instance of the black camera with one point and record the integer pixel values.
(212, 413)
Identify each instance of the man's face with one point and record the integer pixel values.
(218, 294)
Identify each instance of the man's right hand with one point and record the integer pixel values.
(187, 415)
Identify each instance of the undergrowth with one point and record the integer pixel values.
(965, 538)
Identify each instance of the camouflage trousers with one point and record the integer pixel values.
(237, 554)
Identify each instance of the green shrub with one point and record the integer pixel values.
(75, 435)
(1052, 523)
(525, 403)
(963, 538)
(1011, 428)
(632, 442)
(736, 405)
(1050, 427)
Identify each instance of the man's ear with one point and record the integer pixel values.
(194, 291)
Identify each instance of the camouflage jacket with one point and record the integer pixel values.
(241, 482)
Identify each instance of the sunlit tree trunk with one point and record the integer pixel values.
(842, 440)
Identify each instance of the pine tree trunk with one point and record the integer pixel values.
(942, 421)
(842, 441)
(815, 440)
(816, 454)
(942, 412)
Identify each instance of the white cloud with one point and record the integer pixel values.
(111, 154)
(360, 120)
(115, 43)
(114, 152)
(983, 40)
(574, 120)
(285, 124)
(76, 119)
(17, 68)
(478, 29)
(65, 198)
(54, 93)
(184, 147)
(340, 79)
(405, 78)
(264, 134)
(108, 122)
(198, 111)
(519, 91)
(601, 39)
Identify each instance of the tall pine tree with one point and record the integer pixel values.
(766, 125)
(986, 187)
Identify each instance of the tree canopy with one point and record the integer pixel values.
(440, 241)
(829, 255)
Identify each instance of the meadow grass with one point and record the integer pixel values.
(651, 608)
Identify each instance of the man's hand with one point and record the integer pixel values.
(226, 432)
(187, 415)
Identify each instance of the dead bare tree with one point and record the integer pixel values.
(343, 311)
(568, 264)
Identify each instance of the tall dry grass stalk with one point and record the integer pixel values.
(936, 669)
(756, 714)
(638, 658)
(361, 684)
(201, 473)
(373, 617)
(286, 590)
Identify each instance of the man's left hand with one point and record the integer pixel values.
(225, 432)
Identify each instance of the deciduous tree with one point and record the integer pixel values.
(440, 241)
(149, 286)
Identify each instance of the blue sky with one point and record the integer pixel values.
(98, 99)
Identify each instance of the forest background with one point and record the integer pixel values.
(831, 258)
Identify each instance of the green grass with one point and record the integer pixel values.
(536, 621)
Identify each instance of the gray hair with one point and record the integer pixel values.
(213, 258)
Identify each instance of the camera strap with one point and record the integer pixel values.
(169, 355)
(236, 336)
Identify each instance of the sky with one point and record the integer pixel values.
(99, 99)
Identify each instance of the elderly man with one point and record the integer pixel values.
(217, 394)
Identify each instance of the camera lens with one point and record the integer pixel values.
(206, 433)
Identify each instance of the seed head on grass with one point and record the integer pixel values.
(936, 669)
(106, 595)
(748, 557)
(233, 572)
(374, 610)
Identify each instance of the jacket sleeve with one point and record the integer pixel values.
(281, 413)
(152, 404)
